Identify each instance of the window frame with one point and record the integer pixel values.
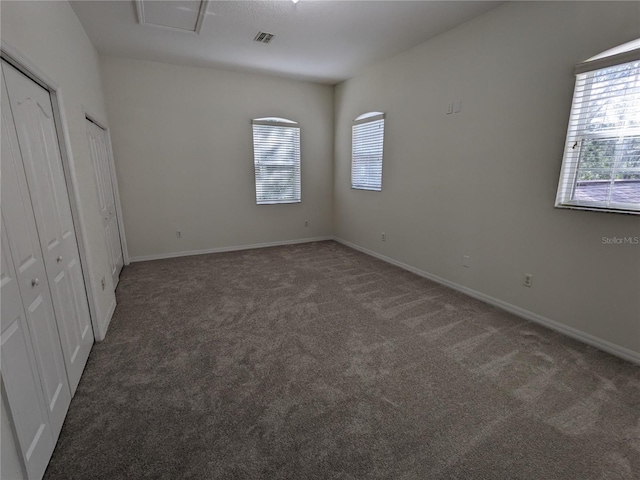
(364, 119)
(296, 167)
(578, 136)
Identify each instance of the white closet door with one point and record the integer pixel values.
(20, 377)
(33, 370)
(106, 197)
(38, 142)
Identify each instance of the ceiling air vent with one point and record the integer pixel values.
(263, 37)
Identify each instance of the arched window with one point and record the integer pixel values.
(367, 144)
(601, 162)
(276, 158)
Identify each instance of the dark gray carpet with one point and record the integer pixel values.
(318, 362)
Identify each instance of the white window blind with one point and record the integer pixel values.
(367, 151)
(601, 163)
(276, 156)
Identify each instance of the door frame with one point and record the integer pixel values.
(15, 58)
(114, 181)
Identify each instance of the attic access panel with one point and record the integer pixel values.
(184, 15)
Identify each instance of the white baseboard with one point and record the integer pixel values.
(234, 248)
(608, 347)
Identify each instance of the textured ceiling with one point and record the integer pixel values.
(324, 41)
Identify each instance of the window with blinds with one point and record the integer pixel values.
(367, 144)
(276, 157)
(601, 163)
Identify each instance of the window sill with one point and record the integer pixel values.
(279, 202)
(592, 208)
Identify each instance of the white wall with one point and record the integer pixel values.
(483, 182)
(50, 35)
(183, 147)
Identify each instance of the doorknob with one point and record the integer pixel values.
(35, 282)
(59, 259)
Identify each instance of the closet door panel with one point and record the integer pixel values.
(98, 142)
(44, 336)
(20, 378)
(38, 142)
(16, 208)
(22, 237)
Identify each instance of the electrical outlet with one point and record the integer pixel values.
(384, 237)
(466, 261)
(179, 233)
(528, 280)
(103, 282)
(306, 223)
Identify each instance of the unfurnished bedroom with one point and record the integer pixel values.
(320, 239)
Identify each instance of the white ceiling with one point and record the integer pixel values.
(323, 40)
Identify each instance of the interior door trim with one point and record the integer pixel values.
(114, 182)
(15, 58)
